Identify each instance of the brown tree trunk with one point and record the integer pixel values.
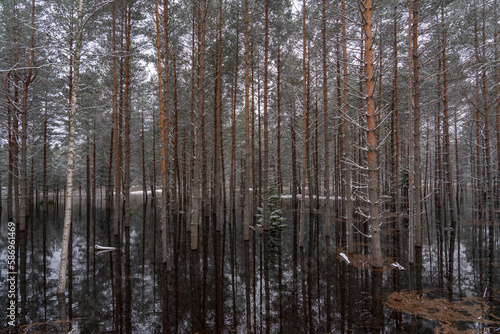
(217, 121)
(247, 209)
(127, 153)
(416, 132)
(197, 177)
(326, 133)
(395, 131)
(497, 87)
(304, 128)
(346, 155)
(266, 131)
(232, 181)
(486, 116)
(446, 133)
(371, 138)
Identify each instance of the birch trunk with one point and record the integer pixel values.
(61, 285)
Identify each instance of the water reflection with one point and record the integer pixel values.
(266, 285)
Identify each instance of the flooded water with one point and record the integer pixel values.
(266, 285)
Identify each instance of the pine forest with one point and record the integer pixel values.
(249, 166)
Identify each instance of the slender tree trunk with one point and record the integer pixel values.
(345, 138)
(416, 132)
(304, 128)
(326, 125)
(371, 138)
(143, 153)
(117, 140)
(396, 147)
(486, 115)
(217, 121)
(61, 285)
(45, 189)
(278, 132)
(497, 87)
(266, 131)
(27, 81)
(446, 132)
(247, 210)
(197, 177)
(126, 167)
(232, 181)
(165, 134)
(177, 175)
(411, 129)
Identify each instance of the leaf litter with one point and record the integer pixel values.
(449, 314)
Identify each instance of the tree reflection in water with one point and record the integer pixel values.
(267, 284)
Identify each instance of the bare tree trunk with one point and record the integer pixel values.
(127, 153)
(304, 127)
(278, 132)
(326, 133)
(371, 138)
(232, 181)
(416, 132)
(217, 125)
(45, 190)
(411, 128)
(497, 86)
(27, 81)
(266, 131)
(446, 132)
(395, 132)
(345, 138)
(486, 115)
(116, 127)
(197, 191)
(247, 210)
(61, 285)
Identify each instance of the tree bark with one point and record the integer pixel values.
(345, 138)
(247, 209)
(304, 128)
(326, 125)
(371, 138)
(61, 285)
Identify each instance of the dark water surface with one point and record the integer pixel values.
(266, 285)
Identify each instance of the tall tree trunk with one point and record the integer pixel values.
(395, 131)
(411, 139)
(278, 132)
(371, 138)
(217, 121)
(345, 138)
(486, 115)
(266, 131)
(446, 131)
(127, 153)
(45, 189)
(247, 209)
(416, 132)
(497, 86)
(61, 285)
(197, 177)
(304, 128)
(116, 135)
(326, 125)
(165, 134)
(27, 81)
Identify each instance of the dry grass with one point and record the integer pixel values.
(448, 313)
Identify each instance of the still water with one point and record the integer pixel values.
(266, 285)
